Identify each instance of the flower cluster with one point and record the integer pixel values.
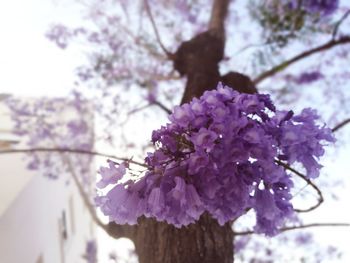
(219, 154)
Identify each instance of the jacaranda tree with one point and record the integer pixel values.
(229, 89)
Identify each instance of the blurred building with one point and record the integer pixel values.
(42, 220)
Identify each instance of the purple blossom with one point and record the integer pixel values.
(77, 127)
(204, 139)
(309, 77)
(59, 34)
(91, 252)
(323, 7)
(40, 127)
(111, 174)
(223, 164)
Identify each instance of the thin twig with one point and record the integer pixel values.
(309, 182)
(155, 29)
(157, 103)
(78, 151)
(330, 44)
(284, 229)
(162, 106)
(337, 25)
(341, 125)
(82, 192)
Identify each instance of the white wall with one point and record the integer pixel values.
(31, 208)
(30, 225)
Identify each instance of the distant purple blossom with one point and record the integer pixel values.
(323, 7)
(111, 174)
(309, 77)
(59, 34)
(91, 252)
(303, 239)
(40, 126)
(218, 154)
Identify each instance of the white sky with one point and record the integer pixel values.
(30, 65)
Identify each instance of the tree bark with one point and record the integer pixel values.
(203, 242)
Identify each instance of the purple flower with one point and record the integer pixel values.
(197, 161)
(223, 164)
(77, 127)
(204, 139)
(309, 77)
(60, 35)
(91, 252)
(179, 190)
(111, 174)
(182, 115)
(156, 201)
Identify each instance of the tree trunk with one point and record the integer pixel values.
(205, 241)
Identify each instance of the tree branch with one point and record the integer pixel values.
(155, 29)
(284, 229)
(162, 106)
(66, 150)
(218, 16)
(341, 125)
(330, 44)
(91, 209)
(309, 182)
(338, 24)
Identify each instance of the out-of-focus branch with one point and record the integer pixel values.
(66, 160)
(218, 16)
(341, 125)
(67, 150)
(284, 229)
(309, 182)
(155, 29)
(162, 106)
(157, 103)
(112, 229)
(330, 44)
(139, 42)
(338, 24)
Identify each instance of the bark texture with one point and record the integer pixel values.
(203, 242)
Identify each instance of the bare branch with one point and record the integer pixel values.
(341, 125)
(309, 182)
(162, 106)
(66, 150)
(157, 103)
(155, 29)
(338, 24)
(218, 16)
(81, 190)
(332, 43)
(284, 229)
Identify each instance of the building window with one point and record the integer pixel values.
(64, 230)
(71, 211)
